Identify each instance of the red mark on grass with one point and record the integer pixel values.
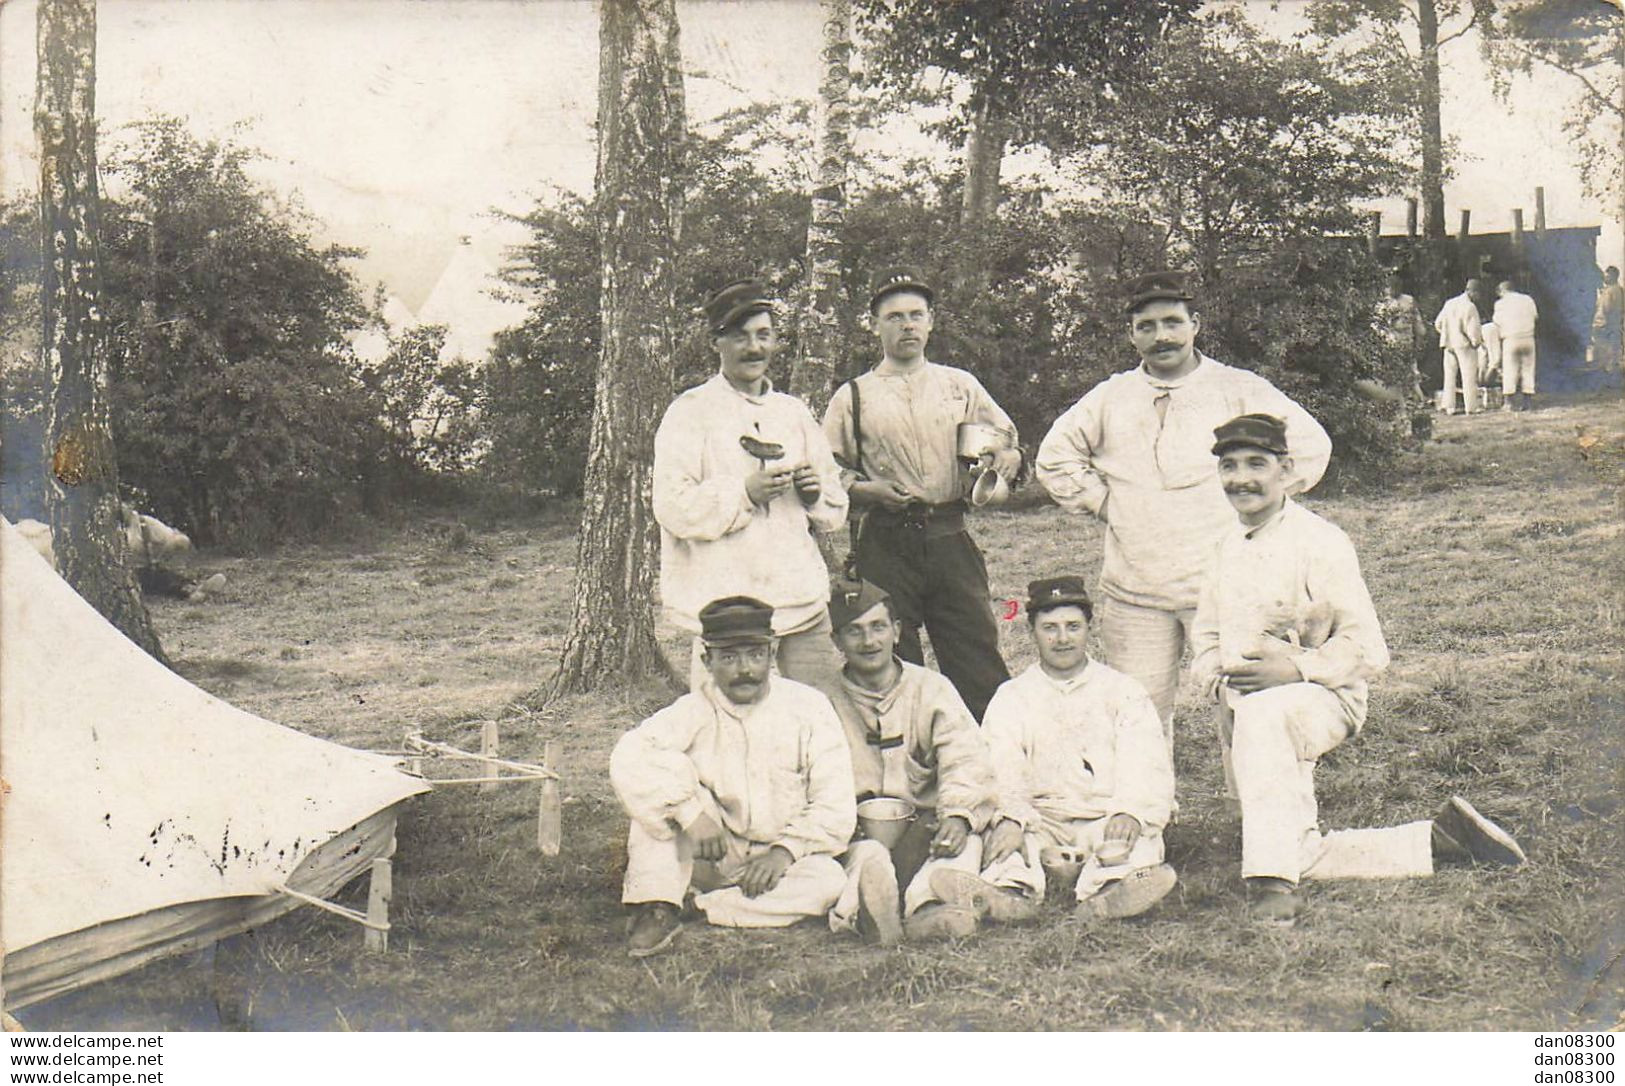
(1012, 608)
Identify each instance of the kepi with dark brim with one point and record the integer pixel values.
(736, 620)
(1252, 431)
(896, 280)
(734, 302)
(1161, 286)
(1067, 591)
(849, 600)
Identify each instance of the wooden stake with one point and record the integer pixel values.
(1540, 212)
(1466, 223)
(1374, 232)
(550, 810)
(1517, 226)
(416, 764)
(488, 748)
(1410, 217)
(378, 897)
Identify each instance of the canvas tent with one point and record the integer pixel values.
(144, 816)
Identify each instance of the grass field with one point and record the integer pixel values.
(1495, 560)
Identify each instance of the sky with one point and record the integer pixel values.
(402, 123)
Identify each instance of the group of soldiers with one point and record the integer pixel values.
(744, 793)
(1472, 350)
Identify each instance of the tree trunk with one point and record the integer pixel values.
(1433, 228)
(638, 207)
(1432, 265)
(813, 376)
(984, 155)
(82, 491)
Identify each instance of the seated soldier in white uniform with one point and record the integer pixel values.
(1285, 638)
(911, 738)
(1083, 772)
(740, 790)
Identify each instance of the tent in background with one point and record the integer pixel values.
(144, 816)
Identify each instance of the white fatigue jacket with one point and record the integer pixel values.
(714, 541)
(1155, 481)
(919, 742)
(1085, 747)
(1458, 325)
(778, 770)
(910, 420)
(1263, 578)
(1515, 315)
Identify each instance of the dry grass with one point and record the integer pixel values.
(1494, 558)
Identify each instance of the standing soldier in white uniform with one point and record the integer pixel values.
(1133, 452)
(1515, 316)
(1461, 334)
(740, 474)
(1286, 639)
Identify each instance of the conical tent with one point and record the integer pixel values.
(141, 816)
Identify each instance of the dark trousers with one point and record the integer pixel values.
(940, 581)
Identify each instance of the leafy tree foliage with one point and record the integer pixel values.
(1585, 40)
(237, 409)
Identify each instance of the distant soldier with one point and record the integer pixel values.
(1286, 638)
(1400, 323)
(1608, 324)
(1460, 336)
(739, 791)
(740, 473)
(1515, 317)
(894, 430)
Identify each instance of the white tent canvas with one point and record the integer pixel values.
(142, 816)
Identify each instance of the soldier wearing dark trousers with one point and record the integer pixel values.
(894, 431)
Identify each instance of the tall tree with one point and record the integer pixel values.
(1007, 52)
(638, 205)
(1585, 41)
(814, 370)
(82, 493)
(1398, 43)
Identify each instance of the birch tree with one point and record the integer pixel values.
(638, 204)
(814, 372)
(82, 489)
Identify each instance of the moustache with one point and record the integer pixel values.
(1244, 489)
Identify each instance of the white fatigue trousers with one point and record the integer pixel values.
(1023, 867)
(1145, 643)
(1277, 736)
(1464, 362)
(658, 870)
(1518, 365)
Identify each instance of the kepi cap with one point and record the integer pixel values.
(1066, 591)
(734, 302)
(895, 280)
(850, 599)
(736, 620)
(1255, 431)
(1167, 285)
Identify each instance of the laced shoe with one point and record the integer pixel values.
(1130, 895)
(1272, 901)
(1461, 833)
(941, 922)
(967, 891)
(654, 925)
